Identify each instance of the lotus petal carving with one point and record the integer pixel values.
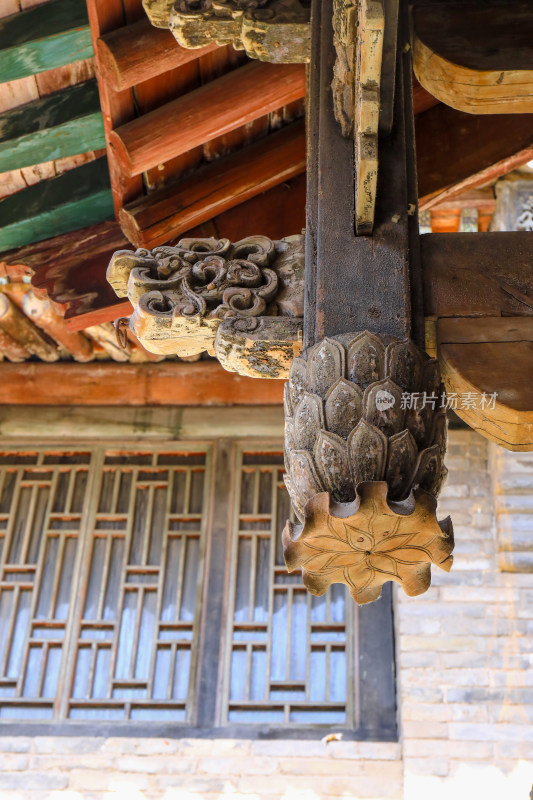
(368, 542)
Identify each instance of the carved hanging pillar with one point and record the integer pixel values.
(364, 463)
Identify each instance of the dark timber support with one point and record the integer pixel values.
(360, 467)
(355, 282)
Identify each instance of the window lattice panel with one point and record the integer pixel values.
(290, 655)
(43, 497)
(105, 550)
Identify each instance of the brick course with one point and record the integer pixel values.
(465, 664)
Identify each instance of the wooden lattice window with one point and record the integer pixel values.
(291, 655)
(146, 586)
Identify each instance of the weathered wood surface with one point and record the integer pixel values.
(40, 311)
(42, 38)
(123, 54)
(158, 11)
(117, 107)
(183, 294)
(62, 124)
(375, 292)
(476, 57)
(164, 384)
(491, 356)
(279, 33)
(260, 347)
(458, 151)
(215, 188)
(486, 275)
(218, 107)
(358, 39)
(16, 325)
(75, 199)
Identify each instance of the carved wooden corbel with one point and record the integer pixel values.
(269, 30)
(242, 302)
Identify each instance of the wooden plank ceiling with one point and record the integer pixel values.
(198, 142)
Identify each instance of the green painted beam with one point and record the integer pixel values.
(73, 200)
(44, 37)
(62, 124)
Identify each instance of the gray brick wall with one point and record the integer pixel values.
(465, 656)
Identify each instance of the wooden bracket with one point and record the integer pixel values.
(477, 56)
(242, 302)
(269, 30)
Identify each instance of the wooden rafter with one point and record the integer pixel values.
(42, 38)
(65, 123)
(156, 51)
(215, 188)
(216, 108)
(457, 152)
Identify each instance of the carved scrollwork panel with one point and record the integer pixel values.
(269, 30)
(200, 283)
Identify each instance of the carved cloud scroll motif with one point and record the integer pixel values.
(278, 31)
(182, 294)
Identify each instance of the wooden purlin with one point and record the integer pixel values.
(166, 384)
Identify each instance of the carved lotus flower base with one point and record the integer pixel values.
(363, 414)
(361, 407)
(368, 542)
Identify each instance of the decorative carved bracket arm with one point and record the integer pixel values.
(242, 302)
(269, 30)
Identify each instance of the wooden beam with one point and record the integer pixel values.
(164, 423)
(61, 124)
(476, 56)
(491, 356)
(75, 199)
(164, 384)
(457, 152)
(487, 275)
(156, 51)
(215, 188)
(216, 108)
(117, 107)
(43, 38)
